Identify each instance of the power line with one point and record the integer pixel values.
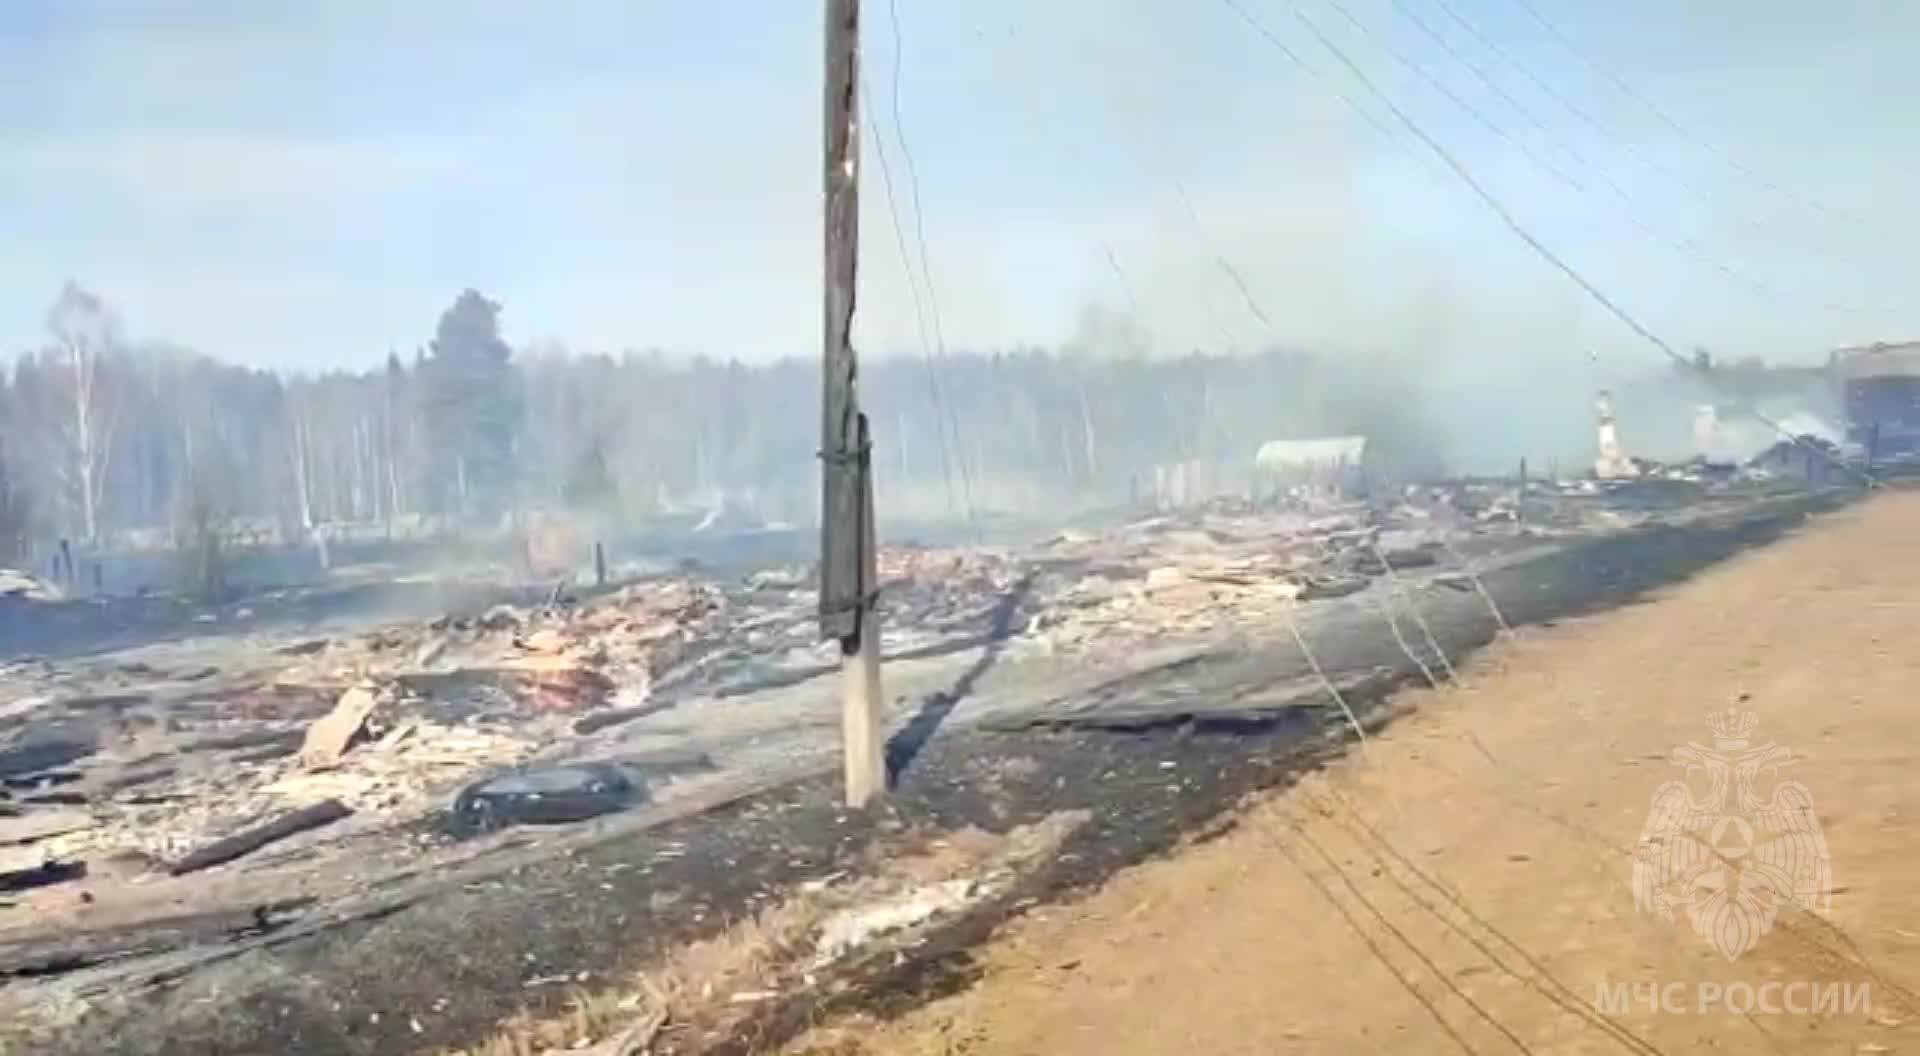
(1660, 114)
(1461, 173)
(1506, 216)
(1468, 108)
(1220, 259)
(1139, 140)
(1366, 938)
(919, 311)
(1126, 287)
(1254, 308)
(1685, 247)
(1575, 108)
(1488, 81)
(926, 267)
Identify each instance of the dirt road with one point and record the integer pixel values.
(1465, 883)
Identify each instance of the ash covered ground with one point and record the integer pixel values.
(264, 830)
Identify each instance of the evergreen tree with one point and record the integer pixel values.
(472, 405)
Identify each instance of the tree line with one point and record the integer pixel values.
(110, 440)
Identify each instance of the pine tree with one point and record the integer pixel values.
(472, 404)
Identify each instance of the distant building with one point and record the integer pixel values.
(1880, 391)
(1333, 463)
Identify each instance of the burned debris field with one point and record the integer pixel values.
(209, 813)
(921, 530)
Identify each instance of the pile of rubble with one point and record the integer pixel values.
(378, 751)
(385, 725)
(389, 725)
(1216, 572)
(17, 584)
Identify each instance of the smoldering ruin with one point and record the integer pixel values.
(288, 627)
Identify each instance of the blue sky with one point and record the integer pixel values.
(307, 184)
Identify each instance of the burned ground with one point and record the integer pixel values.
(441, 963)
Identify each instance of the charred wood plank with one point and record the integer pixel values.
(246, 841)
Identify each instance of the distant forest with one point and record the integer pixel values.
(110, 441)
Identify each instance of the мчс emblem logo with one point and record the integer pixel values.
(1729, 858)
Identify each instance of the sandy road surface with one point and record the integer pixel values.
(1464, 885)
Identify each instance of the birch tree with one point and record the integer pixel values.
(300, 451)
(83, 335)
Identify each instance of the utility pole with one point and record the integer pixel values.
(848, 572)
